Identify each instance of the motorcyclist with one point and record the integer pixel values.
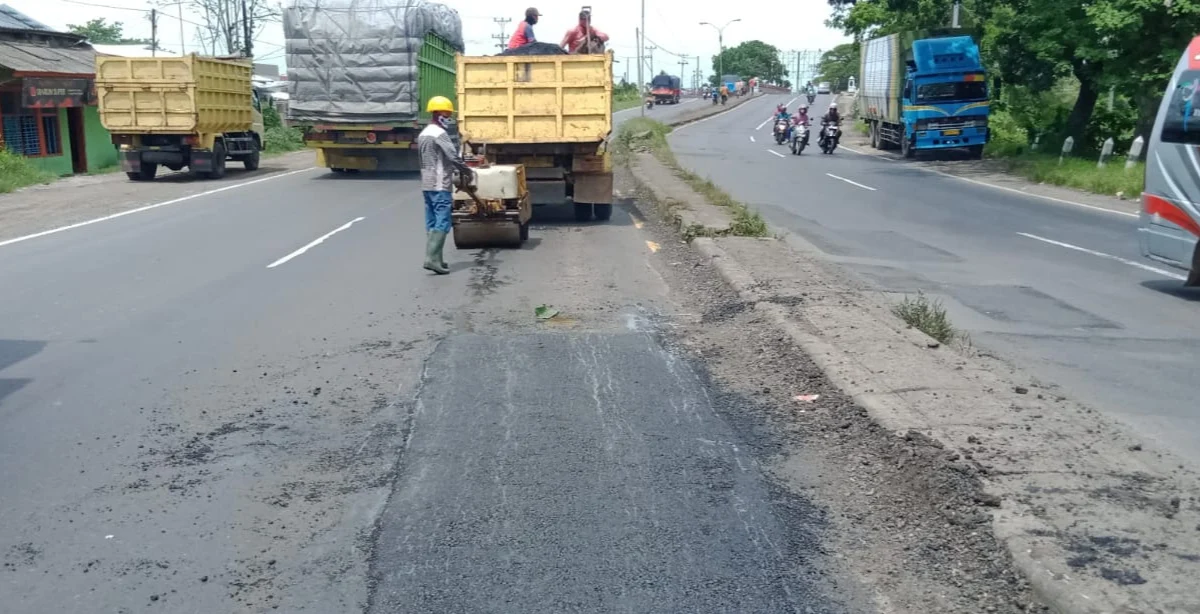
(781, 112)
(800, 119)
(832, 117)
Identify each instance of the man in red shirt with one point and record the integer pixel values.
(523, 35)
(577, 36)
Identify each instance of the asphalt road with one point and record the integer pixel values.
(1059, 290)
(229, 403)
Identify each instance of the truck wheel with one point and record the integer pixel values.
(525, 231)
(583, 212)
(906, 148)
(218, 162)
(251, 160)
(976, 152)
(874, 130)
(146, 173)
(603, 211)
(1193, 279)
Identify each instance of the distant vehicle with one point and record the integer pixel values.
(665, 89)
(1170, 216)
(924, 91)
(852, 86)
(823, 87)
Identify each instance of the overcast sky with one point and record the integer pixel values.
(671, 24)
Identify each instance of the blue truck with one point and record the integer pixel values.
(923, 91)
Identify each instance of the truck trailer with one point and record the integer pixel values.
(360, 73)
(550, 113)
(191, 111)
(924, 91)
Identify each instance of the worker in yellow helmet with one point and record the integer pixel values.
(439, 160)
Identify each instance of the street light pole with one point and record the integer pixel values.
(720, 46)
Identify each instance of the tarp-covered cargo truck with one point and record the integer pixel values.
(924, 91)
(551, 113)
(360, 73)
(177, 112)
(665, 89)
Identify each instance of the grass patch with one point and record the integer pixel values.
(622, 101)
(17, 172)
(105, 170)
(644, 134)
(281, 140)
(1081, 174)
(929, 317)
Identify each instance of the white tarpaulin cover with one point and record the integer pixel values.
(356, 60)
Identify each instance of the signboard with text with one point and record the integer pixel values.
(54, 93)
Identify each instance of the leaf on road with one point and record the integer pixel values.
(545, 312)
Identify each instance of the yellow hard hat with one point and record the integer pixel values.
(439, 103)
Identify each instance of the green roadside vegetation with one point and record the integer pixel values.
(1087, 70)
(644, 134)
(16, 172)
(281, 139)
(929, 316)
(625, 96)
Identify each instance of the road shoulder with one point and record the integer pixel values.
(1096, 520)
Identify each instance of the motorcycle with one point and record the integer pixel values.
(799, 138)
(714, 99)
(781, 126)
(830, 134)
(649, 102)
(724, 97)
(811, 98)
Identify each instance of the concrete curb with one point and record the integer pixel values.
(1042, 544)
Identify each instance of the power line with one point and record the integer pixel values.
(501, 38)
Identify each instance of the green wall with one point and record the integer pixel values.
(100, 151)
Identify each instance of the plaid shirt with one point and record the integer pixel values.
(438, 159)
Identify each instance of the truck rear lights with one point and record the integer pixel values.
(371, 138)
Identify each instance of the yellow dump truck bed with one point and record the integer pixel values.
(535, 98)
(181, 95)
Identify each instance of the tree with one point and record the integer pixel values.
(839, 64)
(100, 32)
(226, 24)
(751, 59)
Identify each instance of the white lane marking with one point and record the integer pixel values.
(148, 207)
(759, 127)
(854, 183)
(318, 241)
(1132, 263)
(752, 139)
(772, 151)
(1061, 201)
(714, 116)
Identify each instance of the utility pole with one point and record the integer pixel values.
(248, 31)
(501, 38)
(683, 68)
(153, 32)
(651, 49)
(641, 65)
(182, 40)
(955, 19)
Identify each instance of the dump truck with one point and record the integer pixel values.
(360, 73)
(550, 113)
(924, 90)
(191, 111)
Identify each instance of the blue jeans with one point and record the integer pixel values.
(437, 210)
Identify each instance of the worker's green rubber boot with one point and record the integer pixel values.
(434, 243)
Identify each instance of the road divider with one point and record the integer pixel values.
(165, 203)
(319, 240)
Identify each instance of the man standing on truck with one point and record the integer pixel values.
(523, 35)
(439, 160)
(583, 33)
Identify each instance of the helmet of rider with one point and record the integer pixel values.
(803, 108)
(833, 105)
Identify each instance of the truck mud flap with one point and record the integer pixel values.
(594, 188)
(200, 161)
(131, 161)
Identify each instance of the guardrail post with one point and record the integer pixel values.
(1105, 152)
(1068, 145)
(1135, 152)
(1037, 143)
